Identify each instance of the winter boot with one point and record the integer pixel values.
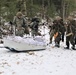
(1, 42)
(66, 47)
(73, 47)
(57, 45)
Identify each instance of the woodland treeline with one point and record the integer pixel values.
(8, 8)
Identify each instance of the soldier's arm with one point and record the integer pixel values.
(24, 22)
(14, 21)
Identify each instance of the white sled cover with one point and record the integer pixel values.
(22, 43)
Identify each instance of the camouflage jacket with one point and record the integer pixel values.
(70, 28)
(19, 22)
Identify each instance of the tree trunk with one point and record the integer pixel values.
(62, 10)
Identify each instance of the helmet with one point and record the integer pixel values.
(19, 14)
(70, 18)
(58, 18)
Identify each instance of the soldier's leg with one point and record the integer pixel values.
(35, 32)
(20, 32)
(32, 32)
(26, 30)
(51, 35)
(67, 42)
(72, 41)
(62, 37)
(0, 35)
(57, 40)
(75, 40)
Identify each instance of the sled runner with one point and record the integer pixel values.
(17, 43)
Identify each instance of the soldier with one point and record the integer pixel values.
(19, 22)
(56, 31)
(1, 30)
(50, 24)
(62, 29)
(34, 26)
(70, 33)
(75, 26)
(26, 18)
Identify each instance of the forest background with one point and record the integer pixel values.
(63, 8)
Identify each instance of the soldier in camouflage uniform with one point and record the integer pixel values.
(70, 33)
(56, 31)
(51, 32)
(0, 28)
(1, 32)
(34, 26)
(62, 29)
(74, 19)
(58, 26)
(19, 22)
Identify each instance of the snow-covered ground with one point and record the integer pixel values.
(52, 61)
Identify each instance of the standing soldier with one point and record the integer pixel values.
(75, 26)
(19, 22)
(70, 33)
(62, 29)
(1, 30)
(26, 27)
(50, 24)
(34, 26)
(0, 27)
(56, 31)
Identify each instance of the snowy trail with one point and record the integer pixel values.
(52, 61)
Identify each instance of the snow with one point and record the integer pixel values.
(52, 61)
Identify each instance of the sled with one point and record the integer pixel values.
(23, 44)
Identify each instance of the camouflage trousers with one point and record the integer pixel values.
(51, 35)
(71, 40)
(20, 32)
(58, 38)
(0, 34)
(34, 32)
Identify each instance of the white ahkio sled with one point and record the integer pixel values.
(17, 43)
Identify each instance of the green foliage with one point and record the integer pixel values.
(8, 8)
(51, 10)
(71, 6)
